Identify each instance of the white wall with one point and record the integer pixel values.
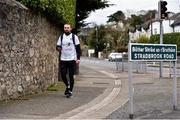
(155, 28)
(177, 29)
(134, 36)
(166, 27)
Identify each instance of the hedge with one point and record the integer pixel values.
(169, 38)
(59, 11)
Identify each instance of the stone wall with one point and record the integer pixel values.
(28, 59)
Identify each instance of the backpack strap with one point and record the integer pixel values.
(61, 40)
(73, 38)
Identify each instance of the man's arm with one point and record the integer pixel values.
(78, 51)
(58, 48)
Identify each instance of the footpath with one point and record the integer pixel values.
(95, 96)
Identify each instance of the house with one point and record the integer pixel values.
(169, 25)
(176, 24)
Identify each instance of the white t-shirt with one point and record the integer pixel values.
(68, 51)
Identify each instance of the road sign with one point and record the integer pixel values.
(152, 52)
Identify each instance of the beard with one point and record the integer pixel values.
(67, 33)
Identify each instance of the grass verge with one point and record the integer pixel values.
(59, 86)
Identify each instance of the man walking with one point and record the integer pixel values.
(69, 47)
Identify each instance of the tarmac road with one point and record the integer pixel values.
(152, 99)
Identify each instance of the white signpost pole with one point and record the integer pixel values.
(130, 85)
(174, 86)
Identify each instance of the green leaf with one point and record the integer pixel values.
(58, 11)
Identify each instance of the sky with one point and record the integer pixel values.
(100, 16)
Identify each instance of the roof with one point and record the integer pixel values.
(147, 23)
(176, 22)
(176, 18)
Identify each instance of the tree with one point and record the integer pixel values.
(116, 17)
(149, 15)
(85, 7)
(120, 35)
(97, 39)
(136, 21)
(139, 21)
(147, 19)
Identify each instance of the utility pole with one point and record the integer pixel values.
(161, 35)
(97, 39)
(161, 42)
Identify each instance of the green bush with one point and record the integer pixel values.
(170, 38)
(122, 49)
(143, 39)
(58, 11)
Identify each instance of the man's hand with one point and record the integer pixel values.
(58, 48)
(77, 61)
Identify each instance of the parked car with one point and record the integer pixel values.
(115, 56)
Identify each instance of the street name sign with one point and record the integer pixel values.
(152, 52)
